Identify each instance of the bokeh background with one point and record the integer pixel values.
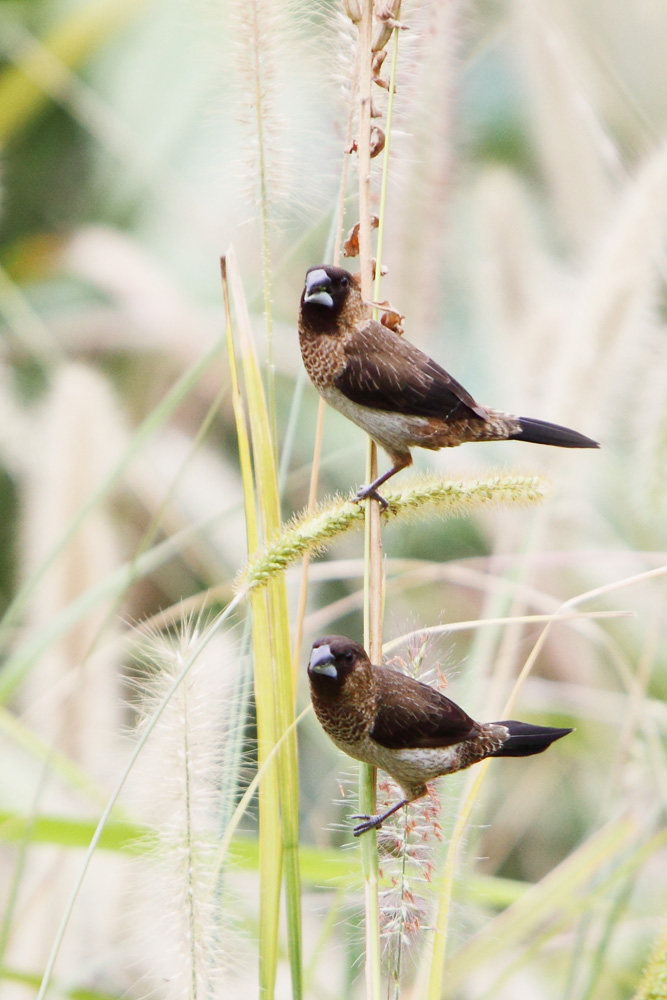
(525, 246)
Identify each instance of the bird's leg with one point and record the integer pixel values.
(375, 822)
(400, 462)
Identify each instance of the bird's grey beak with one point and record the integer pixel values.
(322, 661)
(318, 284)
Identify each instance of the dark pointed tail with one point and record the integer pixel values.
(525, 740)
(540, 432)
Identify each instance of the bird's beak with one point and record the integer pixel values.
(317, 291)
(322, 661)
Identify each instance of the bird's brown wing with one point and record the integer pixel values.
(414, 715)
(386, 372)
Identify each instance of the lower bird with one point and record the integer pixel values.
(390, 388)
(407, 728)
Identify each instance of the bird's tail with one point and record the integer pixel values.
(525, 740)
(541, 432)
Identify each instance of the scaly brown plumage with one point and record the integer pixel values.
(390, 388)
(410, 730)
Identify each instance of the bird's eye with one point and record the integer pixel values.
(347, 656)
(344, 282)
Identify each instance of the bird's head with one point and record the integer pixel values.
(333, 659)
(329, 294)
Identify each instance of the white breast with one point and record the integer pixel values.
(411, 768)
(396, 432)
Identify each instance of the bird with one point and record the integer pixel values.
(409, 729)
(390, 388)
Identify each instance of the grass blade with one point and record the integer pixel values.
(274, 692)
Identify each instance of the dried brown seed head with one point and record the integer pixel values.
(392, 320)
(377, 140)
(376, 67)
(383, 270)
(351, 245)
(386, 13)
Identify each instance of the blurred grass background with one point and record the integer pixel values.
(525, 245)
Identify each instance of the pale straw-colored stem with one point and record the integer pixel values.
(317, 444)
(373, 546)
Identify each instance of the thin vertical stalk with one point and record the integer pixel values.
(317, 444)
(264, 220)
(373, 546)
(367, 774)
(189, 849)
(373, 574)
(385, 166)
(271, 847)
(439, 942)
(274, 693)
(398, 962)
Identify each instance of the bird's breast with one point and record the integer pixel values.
(396, 432)
(416, 766)
(410, 768)
(323, 357)
(347, 724)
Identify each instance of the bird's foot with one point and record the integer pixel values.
(370, 823)
(375, 822)
(366, 493)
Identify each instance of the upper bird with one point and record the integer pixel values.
(410, 730)
(390, 388)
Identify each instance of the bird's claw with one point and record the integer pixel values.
(366, 493)
(370, 823)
